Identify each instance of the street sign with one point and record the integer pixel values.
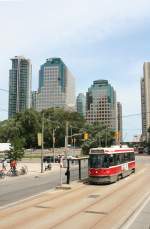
(39, 136)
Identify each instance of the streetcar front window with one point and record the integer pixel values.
(98, 161)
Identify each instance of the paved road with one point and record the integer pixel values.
(22, 187)
(18, 188)
(84, 206)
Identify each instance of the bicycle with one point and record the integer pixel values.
(2, 174)
(23, 170)
(12, 172)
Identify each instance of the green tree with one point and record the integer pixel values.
(17, 151)
(30, 125)
(99, 136)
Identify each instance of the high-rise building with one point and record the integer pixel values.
(143, 110)
(56, 86)
(81, 104)
(119, 117)
(34, 99)
(19, 85)
(145, 100)
(101, 104)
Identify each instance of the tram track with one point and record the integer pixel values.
(42, 203)
(113, 210)
(98, 201)
(36, 201)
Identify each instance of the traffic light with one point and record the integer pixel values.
(86, 135)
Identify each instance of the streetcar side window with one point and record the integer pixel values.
(129, 157)
(132, 156)
(126, 157)
(117, 159)
(111, 160)
(106, 162)
(121, 157)
(98, 161)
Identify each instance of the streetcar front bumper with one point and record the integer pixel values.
(101, 179)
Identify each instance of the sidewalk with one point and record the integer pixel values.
(34, 169)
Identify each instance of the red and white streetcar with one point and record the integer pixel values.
(107, 165)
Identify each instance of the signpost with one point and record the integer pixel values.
(40, 137)
(61, 166)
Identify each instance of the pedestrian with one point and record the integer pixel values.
(4, 163)
(1, 166)
(67, 173)
(13, 164)
(46, 165)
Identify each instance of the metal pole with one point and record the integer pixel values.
(99, 140)
(53, 145)
(106, 136)
(60, 176)
(66, 138)
(71, 136)
(61, 165)
(79, 169)
(68, 171)
(42, 145)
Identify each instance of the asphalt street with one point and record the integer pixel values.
(26, 186)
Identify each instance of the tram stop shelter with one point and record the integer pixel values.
(78, 167)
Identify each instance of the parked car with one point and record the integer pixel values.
(140, 149)
(50, 159)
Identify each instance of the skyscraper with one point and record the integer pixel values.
(145, 100)
(101, 104)
(143, 110)
(19, 85)
(56, 86)
(81, 104)
(34, 99)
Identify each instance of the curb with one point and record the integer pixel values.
(63, 187)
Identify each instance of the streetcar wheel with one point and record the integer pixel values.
(119, 177)
(133, 170)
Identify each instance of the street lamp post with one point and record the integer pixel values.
(74, 141)
(42, 143)
(53, 145)
(66, 139)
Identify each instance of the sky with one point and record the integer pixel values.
(96, 39)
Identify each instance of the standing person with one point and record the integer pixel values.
(4, 163)
(13, 165)
(1, 166)
(67, 173)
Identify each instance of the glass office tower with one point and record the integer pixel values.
(19, 85)
(56, 86)
(81, 104)
(101, 105)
